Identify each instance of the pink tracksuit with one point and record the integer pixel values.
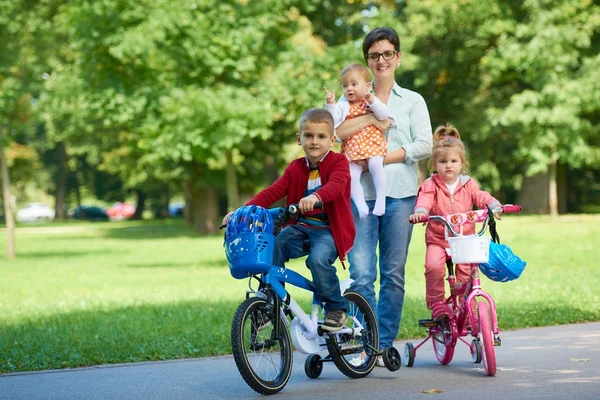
(434, 198)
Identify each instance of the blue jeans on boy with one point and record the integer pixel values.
(321, 256)
(393, 232)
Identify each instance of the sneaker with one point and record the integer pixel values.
(439, 311)
(358, 359)
(380, 362)
(334, 320)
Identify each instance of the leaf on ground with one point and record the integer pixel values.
(580, 359)
(432, 391)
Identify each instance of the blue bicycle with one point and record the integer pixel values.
(270, 321)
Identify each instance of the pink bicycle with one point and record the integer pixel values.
(473, 310)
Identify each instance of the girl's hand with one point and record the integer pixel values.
(415, 218)
(497, 211)
(329, 97)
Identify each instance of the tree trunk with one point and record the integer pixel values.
(188, 210)
(141, 203)
(61, 181)
(206, 211)
(8, 215)
(233, 194)
(533, 196)
(552, 188)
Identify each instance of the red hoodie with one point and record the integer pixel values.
(334, 193)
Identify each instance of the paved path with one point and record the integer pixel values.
(559, 362)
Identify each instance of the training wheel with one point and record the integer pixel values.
(409, 354)
(476, 351)
(391, 359)
(313, 366)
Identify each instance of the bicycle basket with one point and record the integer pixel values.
(469, 249)
(249, 253)
(503, 265)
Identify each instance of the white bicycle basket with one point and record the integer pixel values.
(469, 249)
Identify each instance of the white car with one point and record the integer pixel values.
(35, 212)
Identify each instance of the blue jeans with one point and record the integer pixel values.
(393, 232)
(321, 256)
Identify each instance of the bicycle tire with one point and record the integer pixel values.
(443, 343)
(263, 360)
(356, 357)
(487, 341)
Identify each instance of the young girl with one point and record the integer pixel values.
(368, 144)
(449, 190)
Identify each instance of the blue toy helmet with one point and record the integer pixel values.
(249, 219)
(503, 264)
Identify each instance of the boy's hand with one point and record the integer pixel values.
(226, 218)
(307, 204)
(415, 218)
(369, 97)
(329, 97)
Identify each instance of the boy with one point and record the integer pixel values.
(322, 175)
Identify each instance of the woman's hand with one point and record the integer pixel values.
(383, 125)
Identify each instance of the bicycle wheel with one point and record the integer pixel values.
(264, 360)
(354, 356)
(443, 345)
(487, 340)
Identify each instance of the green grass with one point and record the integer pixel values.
(87, 294)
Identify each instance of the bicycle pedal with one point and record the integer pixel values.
(497, 341)
(428, 323)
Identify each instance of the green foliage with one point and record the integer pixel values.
(547, 70)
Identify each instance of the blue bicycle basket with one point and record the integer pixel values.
(249, 241)
(503, 265)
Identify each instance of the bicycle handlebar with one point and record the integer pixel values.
(470, 217)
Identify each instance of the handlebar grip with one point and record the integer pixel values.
(318, 205)
(511, 208)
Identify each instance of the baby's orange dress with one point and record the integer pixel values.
(367, 143)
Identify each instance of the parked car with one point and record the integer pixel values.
(90, 213)
(35, 212)
(120, 211)
(176, 209)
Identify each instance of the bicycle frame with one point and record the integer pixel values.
(464, 312)
(275, 278)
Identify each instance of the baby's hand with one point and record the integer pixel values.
(415, 218)
(369, 97)
(329, 96)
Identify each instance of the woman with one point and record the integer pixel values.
(408, 141)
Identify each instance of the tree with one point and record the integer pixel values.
(548, 70)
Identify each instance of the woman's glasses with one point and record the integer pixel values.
(387, 55)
